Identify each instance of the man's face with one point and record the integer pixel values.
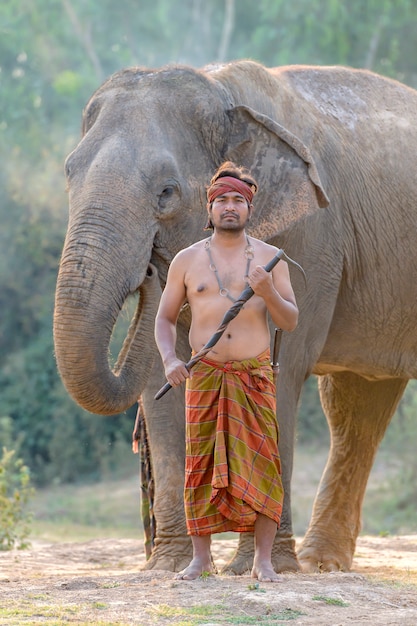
(230, 211)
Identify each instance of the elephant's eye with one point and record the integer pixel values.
(165, 196)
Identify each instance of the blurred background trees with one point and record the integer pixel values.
(53, 55)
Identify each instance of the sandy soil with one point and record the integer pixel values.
(101, 582)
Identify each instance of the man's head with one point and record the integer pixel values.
(230, 180)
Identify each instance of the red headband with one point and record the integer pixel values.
(226, 184)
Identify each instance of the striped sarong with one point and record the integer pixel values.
(233, 469)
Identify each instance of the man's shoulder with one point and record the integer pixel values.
(263, 245)
(186, 254)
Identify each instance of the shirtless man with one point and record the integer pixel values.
(233, 472)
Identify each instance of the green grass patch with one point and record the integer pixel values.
(29, 610)
(14, 614)
(197, 615)
(273, 619)
(332, 601)
(82, 512)
(199, 610)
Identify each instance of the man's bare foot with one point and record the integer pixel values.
(265, 573)
(195, 569)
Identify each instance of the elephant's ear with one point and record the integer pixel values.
(289, 183)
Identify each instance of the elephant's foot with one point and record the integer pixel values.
(283, 555)
(319, 555)
(172, 554)
(242, 560)
(284, 558)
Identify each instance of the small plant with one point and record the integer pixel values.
(15, 492)
(256, 587)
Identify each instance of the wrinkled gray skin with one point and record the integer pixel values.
(151, 141)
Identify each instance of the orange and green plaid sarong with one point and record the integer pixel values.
(233, 469)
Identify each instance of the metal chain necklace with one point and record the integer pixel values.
(223, 291)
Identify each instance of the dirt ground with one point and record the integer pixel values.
(101, 582)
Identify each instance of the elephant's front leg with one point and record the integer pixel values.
(358, 412)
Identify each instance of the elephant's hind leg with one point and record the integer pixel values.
(358, 412)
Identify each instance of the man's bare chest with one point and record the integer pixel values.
(219, 273)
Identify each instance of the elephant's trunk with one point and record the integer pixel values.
(87, 304)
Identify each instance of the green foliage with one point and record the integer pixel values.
(15, 492)
(60, 441)
(68, 83)
(375, 34)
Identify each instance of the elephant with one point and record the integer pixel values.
(331, 148)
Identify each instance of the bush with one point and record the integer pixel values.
(15, 492)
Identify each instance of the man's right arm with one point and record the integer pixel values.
(172, 299)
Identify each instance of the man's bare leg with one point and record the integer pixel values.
(265, 531)
(201, 561)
